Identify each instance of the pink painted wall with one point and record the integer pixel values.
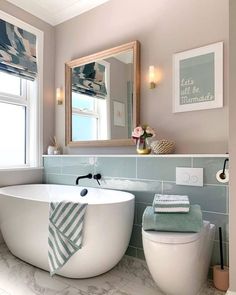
(163, 28)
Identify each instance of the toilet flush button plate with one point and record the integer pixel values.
(189, 176)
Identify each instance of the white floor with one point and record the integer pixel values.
(129, 277)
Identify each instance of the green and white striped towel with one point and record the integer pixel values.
(65, 232)
(171, 203)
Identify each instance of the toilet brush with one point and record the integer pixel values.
(221, 272)
(221, 249)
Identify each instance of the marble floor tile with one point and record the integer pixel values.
(134, 270)
(209, 289)
(132, 288)
(129, 277)
(100, 285)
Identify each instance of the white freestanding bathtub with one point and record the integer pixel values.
(24, 211)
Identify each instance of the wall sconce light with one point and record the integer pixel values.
(59, 96)
(152, 80)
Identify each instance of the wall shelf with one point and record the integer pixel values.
(148, 156)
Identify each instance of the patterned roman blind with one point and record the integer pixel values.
(89, 79)
(17, 51)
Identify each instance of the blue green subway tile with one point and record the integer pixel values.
(140, 207)
(70, 180)
(215, 259)
(211, 167)
(89, 183)
(210, 274)
(220, 220)
(227, 253)
(131, 251)
(44, 178)
(140, 254)
(136, 237)
(209, 197)
(60, 179)
(78, 165)
(146, 196)
(116, 166)
(52, 164)
(131, 185)
(160, 168)
(227, 204)
(135, 213)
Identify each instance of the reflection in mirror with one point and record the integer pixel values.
(103, 97)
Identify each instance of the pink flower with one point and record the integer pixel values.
(138, 132)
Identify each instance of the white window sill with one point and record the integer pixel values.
(15, 169)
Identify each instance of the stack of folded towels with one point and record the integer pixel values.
(172, 213)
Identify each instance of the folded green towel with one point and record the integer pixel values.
(173, 222)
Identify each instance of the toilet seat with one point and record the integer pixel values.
(173, 237)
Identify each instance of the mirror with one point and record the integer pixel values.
(102, 97)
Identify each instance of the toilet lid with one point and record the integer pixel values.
(173, 237)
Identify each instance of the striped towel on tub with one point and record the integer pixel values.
(65, 232)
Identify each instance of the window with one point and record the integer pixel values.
(84, 113)
(14, 110)
(91, 113)
(20, 107)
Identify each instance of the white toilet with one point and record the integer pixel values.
(179, 262)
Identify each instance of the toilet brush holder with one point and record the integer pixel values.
(221, 277)
(221, 272)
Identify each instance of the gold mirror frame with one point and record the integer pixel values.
(135, 46)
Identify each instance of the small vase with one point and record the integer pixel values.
(51, 149)
(143, 147)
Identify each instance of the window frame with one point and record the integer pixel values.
(34, 93)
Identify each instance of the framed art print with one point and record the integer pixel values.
(198, 78)
(119, 114)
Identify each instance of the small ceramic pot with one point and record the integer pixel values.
(51, 149)
(57, 151)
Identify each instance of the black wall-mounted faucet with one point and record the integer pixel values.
(97, 177)
(89, 176)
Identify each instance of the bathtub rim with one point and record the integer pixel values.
(130, 196)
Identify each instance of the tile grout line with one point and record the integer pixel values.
(214, 212)
(227, 199)
(61, 165)
(141, 179)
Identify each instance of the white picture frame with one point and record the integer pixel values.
(198, 78)
(119, 113)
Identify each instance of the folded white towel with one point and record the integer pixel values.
(171, 203)
(177, 198)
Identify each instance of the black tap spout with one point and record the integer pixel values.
(89, 176)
